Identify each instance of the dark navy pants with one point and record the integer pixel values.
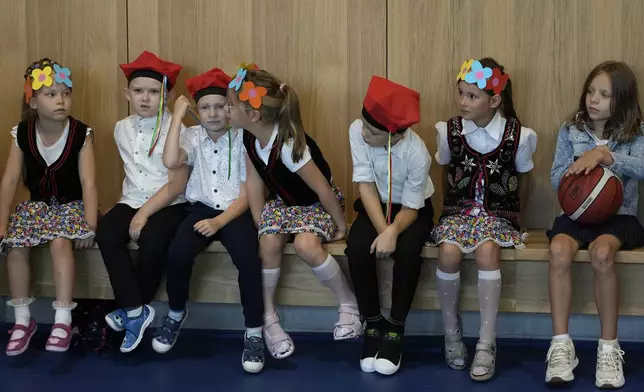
(239, 237)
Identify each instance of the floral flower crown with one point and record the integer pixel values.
(39, 74)
(250, 93)
(486, 78)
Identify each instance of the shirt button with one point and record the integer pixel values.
(217, 206)
(136, 153)
(140, 171)
(215, 191)
(214, 172)
(216, 151)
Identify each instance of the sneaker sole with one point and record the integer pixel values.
(185, 316)
(383, 367)
(251, 368)
(610, 386)
(111, 324)
(557, 380)
(368, 365)
(145, 326)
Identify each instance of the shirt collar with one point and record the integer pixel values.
(150, 121)
(398, 149)
(271, 142)
(494, 128)
(203, 134)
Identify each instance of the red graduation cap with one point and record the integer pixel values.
(150, 66)
(214, 81)
(393, 107)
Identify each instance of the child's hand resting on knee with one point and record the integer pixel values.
(385, 244)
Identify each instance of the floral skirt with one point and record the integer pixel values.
(279, 218)
(35, 223)
(469, 232)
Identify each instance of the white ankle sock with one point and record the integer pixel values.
(257, 332)
(22, 314)
(489, 291)
(176, 316)
(449, 289)
(135, 312)
(270, 278)
(63, 316)
(564, 336)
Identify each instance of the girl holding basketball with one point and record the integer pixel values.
(486, 152)
(605, 130)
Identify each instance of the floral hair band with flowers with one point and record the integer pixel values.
(44, 73)
(254, 95)
(490, 79)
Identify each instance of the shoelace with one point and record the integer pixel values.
(610, 360)
(559, 355)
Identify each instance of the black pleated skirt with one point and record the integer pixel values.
(625, 227)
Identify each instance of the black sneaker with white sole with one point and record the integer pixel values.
(253, 354)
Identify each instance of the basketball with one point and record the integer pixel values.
(591, 198)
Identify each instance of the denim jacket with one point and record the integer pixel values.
(628, 161)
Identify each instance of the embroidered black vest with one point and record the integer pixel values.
(501, 193)
(279, 180)
(61, 179)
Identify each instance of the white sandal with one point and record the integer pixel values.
(455, 350)
(485, 358)
(355, 325)
(274, 334)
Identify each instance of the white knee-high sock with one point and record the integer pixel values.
(332, 277)
(489, 291)
(270, 278)
(449, 290)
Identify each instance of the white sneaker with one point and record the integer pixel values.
(562, 360)
(610, 371)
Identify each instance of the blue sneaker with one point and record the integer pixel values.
(167, 336)
(116, 319)
(134, 328)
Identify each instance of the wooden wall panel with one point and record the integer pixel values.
(327, 50)
(89, 37)
(547, 46)
(13, 61)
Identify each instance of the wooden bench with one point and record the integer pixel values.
(525, 279)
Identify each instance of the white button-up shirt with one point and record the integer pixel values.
(144, 175)
(411, 184)
(487, 139)
(209, 183)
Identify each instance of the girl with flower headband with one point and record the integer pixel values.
(606, 129)
(53, 153)
(487, 153)
(303, 201)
